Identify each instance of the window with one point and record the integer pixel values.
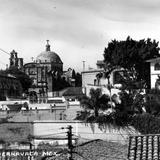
(32, 71)
(118, 77)
(157, 66)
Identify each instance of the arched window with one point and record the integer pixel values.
(157, 66)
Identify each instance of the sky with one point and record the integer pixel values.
(78, 30)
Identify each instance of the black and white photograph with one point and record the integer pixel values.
(79, 80)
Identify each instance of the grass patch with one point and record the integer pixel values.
(15, 132)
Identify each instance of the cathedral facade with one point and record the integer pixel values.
(42, 71)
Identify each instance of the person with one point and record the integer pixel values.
(64, 116)
(36, 110)
(25, 105)
(53, 106)
(7, 110)
(60, 116)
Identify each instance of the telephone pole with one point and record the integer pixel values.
(70, 145)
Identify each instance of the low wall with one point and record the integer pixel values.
(84, 132)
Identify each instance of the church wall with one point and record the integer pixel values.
(49, 82)
(42, 73)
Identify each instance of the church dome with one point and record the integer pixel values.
(48, 56)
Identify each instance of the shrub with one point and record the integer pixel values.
(146, 124)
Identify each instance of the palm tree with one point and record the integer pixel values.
(97, 109)
(106, 74)
(95, 102)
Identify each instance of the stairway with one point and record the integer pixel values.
(71, 112)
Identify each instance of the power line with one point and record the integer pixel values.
(103, 133)
(52, 134)
(4, 51)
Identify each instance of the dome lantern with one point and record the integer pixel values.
(48, 46)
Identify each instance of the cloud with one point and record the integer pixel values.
(33, 20)
(79, 27)
(120, 10)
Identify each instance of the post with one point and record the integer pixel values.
(69, 136)
(70, 146)
(55, 114)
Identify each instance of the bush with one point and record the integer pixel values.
(146, 124)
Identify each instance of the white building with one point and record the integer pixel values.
(154, 70)
(90, 80)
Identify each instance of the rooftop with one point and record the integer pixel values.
(154, 60)
(97, 150)
(144, 147)
(73, 91)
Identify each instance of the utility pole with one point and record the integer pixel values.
(70, 145)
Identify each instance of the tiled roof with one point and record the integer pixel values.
(98, 150)
(144, 147)
(101, 150)
(154, 60)
(73, 91)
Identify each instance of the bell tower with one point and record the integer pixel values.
(13, 59)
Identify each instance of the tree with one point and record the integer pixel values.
(95, 102)
(73, 74)
(98, 109)
(131, 103)
(131, 55)
(24, 79)
(59, 83)
(78, 80)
